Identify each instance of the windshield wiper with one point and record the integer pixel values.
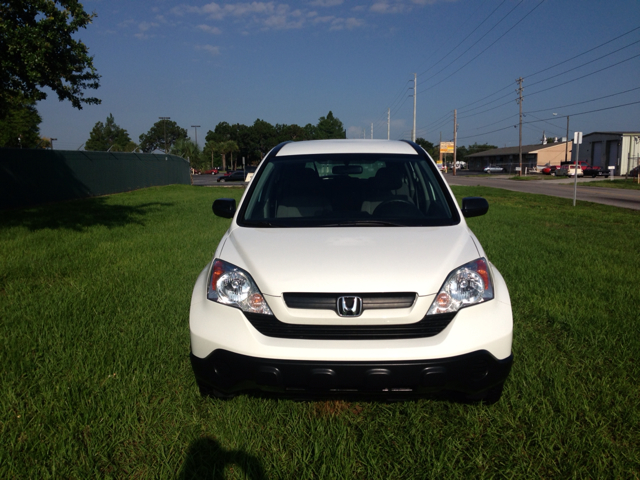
(364, 223)
(263, 224)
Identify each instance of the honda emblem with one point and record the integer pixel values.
(349, 306)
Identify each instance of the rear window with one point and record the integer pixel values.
(347, 190)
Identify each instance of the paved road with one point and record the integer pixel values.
(555, 188)
(212, 181)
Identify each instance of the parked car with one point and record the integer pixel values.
(569, 170)
(212, 171)
(582, 163)
(301, 300)
(493, 169)
(635, 172)
(237, 176)
(595, 171)
(549, 170)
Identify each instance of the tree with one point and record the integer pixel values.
(462, 152)
(211, 150)
(186, 148)
(429, 147)
(108, 137)
(227, 147)
(20, 127)
(37, 50)
(155, 138)
(329, 127)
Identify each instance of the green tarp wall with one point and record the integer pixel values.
(31, 177)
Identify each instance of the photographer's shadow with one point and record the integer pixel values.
(207, 460)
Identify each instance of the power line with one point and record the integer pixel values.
(487, 48)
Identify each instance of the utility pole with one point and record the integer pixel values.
(566, 147)
(519, 100)
(415, 87)
(389, 124)
(196, 128)
(164, 123)
(455, 139)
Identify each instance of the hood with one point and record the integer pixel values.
(350, 259)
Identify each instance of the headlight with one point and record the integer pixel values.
(467, 285)
(231, 285)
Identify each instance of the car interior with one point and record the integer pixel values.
(347, 188)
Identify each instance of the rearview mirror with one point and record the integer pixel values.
(224, 207)
(347, 169)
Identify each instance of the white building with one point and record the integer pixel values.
(615, 149)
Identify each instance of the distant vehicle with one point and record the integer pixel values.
(195, 171)
(550, 170)
(635, 172)
(569, 170)
(213, 171)
(493, 169)
(582, 163)
(594, 171)
(232, 177)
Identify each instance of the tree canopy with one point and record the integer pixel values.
(19, 128)
(109, 136)
(254, 141)
(329, 127)
(37, 50)
(162, 131)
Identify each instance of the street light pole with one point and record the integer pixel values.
(196, 129)
(164, 122)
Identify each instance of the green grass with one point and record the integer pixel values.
(625, 183)
(96, 381)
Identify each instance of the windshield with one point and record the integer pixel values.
(347, 190)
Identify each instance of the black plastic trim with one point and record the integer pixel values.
(229, 372)
(429, 326)
(329, 301)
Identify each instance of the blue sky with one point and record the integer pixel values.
(201, 63)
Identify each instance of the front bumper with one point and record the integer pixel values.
(230, 373)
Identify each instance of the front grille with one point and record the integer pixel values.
(329, 301)
(429, 326)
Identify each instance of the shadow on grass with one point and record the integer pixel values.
(78, 215)
(207, 460)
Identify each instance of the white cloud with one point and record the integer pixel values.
(325, 3)
(144, 26)
(213, 50)
(384, 6)
(346, 23)
(209, 29)
(267, 15)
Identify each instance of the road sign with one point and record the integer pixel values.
(446, 147)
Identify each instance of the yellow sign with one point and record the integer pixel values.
(446, 147)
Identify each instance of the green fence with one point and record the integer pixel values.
(31, 177)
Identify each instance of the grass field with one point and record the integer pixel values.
(625, 183)
(96, 380)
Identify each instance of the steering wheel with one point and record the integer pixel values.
(397, 206)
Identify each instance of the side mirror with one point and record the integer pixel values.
(224, 207)
(474, 206)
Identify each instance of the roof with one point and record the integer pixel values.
(515, 150)
(313, 147)
(626, 132)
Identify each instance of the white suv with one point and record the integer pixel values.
(348, 268)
